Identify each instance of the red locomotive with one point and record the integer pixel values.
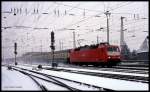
(100, 54)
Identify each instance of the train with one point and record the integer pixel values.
(102, 54)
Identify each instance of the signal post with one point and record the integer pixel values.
(54, 64)
(15, 52)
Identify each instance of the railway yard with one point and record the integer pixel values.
(75, 46)
(79, 78)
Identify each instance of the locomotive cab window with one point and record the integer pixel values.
(113, 49)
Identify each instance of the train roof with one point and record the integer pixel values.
(93, 46)
(62, 51)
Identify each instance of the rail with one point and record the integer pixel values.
(62, 84)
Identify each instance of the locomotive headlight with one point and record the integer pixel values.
(109, 57)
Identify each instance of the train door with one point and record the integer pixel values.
(102, 51)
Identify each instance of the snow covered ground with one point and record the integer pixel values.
(98, 71)
(110, 72)
(113, 84)
(100, 81)
(13, 80)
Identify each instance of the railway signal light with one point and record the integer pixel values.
(54, 64)
(52, 37)
(15, 46)
(15, 52)
(52, 41)
(52, 47)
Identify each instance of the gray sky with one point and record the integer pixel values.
(62, 16)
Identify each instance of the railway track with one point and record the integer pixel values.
(136, 70)
(115, 76)
(43, 88)
(57, 80)
(112, 75)
(138, 65)
(107, 75)
(126, 70)
(132, 68)
(50, 79)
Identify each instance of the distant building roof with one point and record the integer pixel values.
(145, 46)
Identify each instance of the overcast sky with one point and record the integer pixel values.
(30, 23)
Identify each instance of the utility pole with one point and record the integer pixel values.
(60, 44)
(97, 39)
(123, 46)
(41, 47)
(3, 57)
(78, 42)
(107, 13)
(26, 11)
(27, 36)
(74, 41)
(31, 56)
(122, 33)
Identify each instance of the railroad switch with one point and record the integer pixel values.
(9, 68)
(54, 64)
(40, 66)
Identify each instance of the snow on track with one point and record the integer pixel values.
(14, 80)
(109, 83)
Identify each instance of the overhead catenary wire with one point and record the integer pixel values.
(79, 8)
(113, 9)
(120, 6)
(93, 16)
(51, 19)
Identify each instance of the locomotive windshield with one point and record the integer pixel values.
(113, 49)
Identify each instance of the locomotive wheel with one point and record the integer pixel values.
(102, 65)
(96, 65)
(109, 66)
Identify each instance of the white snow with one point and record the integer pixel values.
(113, 84)
(50, 86)
(110, 72)
(13, 80)
(98, 71)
